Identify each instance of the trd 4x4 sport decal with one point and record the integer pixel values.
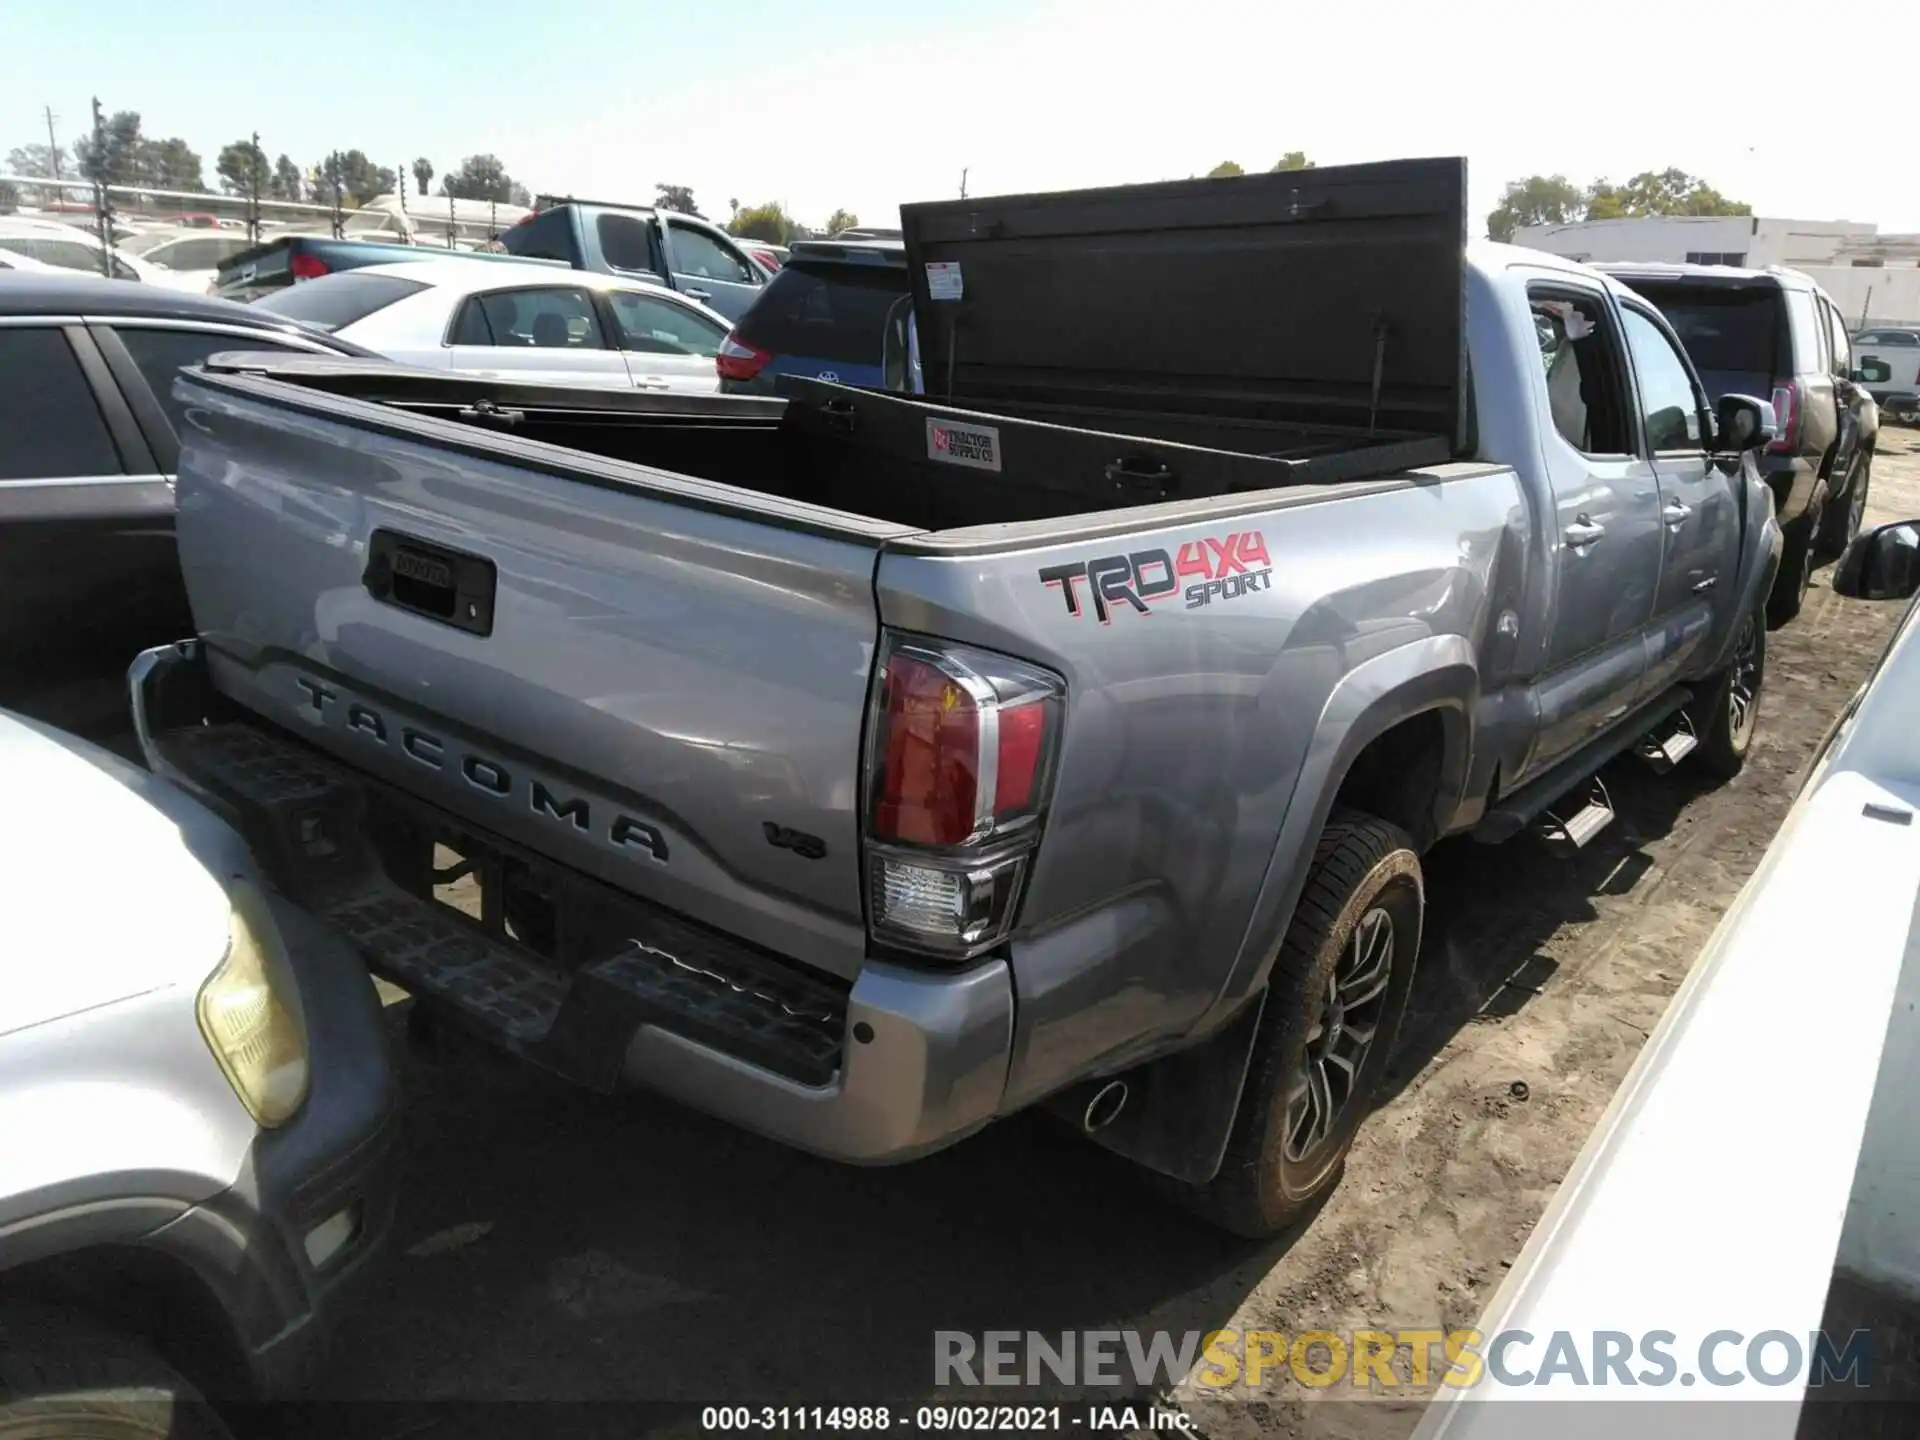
(1222, 569)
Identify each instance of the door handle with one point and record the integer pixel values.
(1583, 532)
(698, 294)
(1675, 512)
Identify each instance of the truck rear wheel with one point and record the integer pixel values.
(1334, 1002)
(62, 1378)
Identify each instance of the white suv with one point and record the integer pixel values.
(197, 1107)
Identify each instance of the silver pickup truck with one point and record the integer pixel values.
(863, 767)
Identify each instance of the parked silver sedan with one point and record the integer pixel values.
(530, 321)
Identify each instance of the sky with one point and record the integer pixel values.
(823, 104)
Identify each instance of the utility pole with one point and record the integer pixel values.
(963, 183)
(102, 203)
(53, 145)
(256, 163)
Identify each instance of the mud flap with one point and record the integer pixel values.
(1180, 1109)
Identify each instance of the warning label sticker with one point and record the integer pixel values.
(943, 279)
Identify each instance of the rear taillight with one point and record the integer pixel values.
(738, 360)
(961, 760)
(307, 267)
(1786, 417)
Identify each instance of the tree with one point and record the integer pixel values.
(1293, 160)
(115, 156)
(172, 164)
(1536, 200)
(360, 179)
(9, 197)
(243, 169)
(285, 182)
(1660, 192)
(483, 177)
(423, 176)
(39, 162)
(769, 222)
(1224, 169)
(674, 197)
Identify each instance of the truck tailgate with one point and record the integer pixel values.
(667, 696)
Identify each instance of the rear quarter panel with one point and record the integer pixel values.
(1188, 726)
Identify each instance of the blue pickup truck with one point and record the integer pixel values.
(682, 252)
(275, 264)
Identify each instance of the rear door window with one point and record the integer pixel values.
(1586, 386)
(50, 421)
(626, 242)
(334, 302)
(826, 312)
(547, 236)
(162, 354)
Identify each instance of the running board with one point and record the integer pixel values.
(1662, 755)
(1566, 838)
(1512, 813)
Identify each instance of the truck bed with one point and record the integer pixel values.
(855, 451)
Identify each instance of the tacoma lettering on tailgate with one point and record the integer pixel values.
(1205, 571)
(482, 773)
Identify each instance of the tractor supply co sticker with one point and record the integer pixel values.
(1205, 572)
(943, 280)
(975, 446)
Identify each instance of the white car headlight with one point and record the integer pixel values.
(255, 1031)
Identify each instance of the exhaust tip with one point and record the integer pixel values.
(1105, 1106)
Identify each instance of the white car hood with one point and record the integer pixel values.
(104, 899)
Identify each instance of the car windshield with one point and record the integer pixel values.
(334, 302)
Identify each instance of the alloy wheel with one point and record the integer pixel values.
(1743, 686)
(1342, 1035)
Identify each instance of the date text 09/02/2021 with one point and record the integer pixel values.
(933, 1419)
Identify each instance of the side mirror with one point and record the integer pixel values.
(1857, 376)
(1745, 423)
(1882, 564)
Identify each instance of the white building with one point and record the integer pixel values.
(1873, 278)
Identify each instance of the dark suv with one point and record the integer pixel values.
(836, 311)
(1775, 332)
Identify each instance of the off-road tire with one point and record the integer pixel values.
(1841, 519)
(1361, 864)
(63, 1378)
(1724, 739)
(1790, 584)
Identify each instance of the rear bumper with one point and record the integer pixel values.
(900, 1064)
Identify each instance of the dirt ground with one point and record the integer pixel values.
(556, 1246)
